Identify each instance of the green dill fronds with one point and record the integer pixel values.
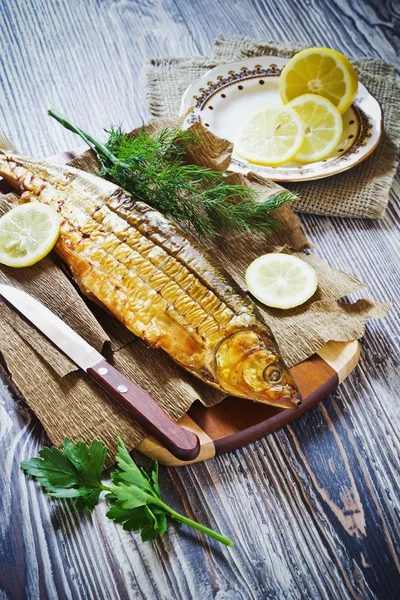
(153, 169)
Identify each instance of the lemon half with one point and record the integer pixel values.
(281, 280)
(27, 233)
(271, 135)
(323, 127)
(320, 71)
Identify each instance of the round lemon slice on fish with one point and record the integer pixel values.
(323, 127)
(271, 135)
(281, 280)
(320, 71)
(27, 233)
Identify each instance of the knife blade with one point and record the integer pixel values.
(180, 442)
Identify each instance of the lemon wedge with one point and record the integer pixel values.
(320, 71)
(27, 233)
(271, 135)
(281, 280)
(323, 127)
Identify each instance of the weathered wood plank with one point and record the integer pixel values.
(314, 509)
(349, 26)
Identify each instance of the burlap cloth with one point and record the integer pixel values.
(69, 404)
(363, 191)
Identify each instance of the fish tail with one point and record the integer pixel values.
(7, 151)
(6, 145)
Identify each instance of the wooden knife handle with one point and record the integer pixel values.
(183, 444)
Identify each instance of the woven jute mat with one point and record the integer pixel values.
(70, 405)
(363, 191)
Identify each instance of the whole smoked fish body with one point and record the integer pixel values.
(157, 281)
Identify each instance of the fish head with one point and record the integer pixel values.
(248, 364)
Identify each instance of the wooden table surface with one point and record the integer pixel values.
(313, 509)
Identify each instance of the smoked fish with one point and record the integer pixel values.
(135, 262)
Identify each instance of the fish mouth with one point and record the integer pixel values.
(295, 398)
(291, 396)
(285, 397)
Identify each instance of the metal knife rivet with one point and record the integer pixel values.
(122, 389)
(102, 371)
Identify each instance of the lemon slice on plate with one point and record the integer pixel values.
(281, 280)
(271, 135)
(320, 71)
(27, 233)
(323, 127)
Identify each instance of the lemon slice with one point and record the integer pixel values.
(27, 233)
(281, 280)
(271, 135)
(323, 127)
(320, 71)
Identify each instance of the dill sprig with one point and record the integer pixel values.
(154, 169)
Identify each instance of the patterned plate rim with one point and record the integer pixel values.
(192, 104)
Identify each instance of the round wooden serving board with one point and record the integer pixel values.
(235, 422)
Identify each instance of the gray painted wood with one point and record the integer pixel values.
(314, 509)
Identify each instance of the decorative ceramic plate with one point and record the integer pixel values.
(224, 96)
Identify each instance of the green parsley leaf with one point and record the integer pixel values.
(129, 472)
(151, 522)
(152, 472)
(134, 497)
(74, 473)
(136, 502)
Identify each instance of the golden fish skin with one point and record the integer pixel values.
(157, 281)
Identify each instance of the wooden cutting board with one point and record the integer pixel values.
(234, 422)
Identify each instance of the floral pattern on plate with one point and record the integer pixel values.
(224, 96)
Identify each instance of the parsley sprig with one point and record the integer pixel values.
(134, 496)
(155, 170)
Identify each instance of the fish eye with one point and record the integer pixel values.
(273, 373)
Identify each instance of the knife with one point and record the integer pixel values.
(181, 443)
